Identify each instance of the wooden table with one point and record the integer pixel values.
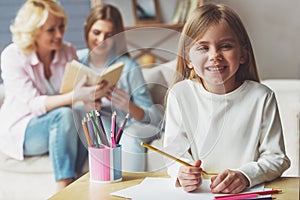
(84, 189)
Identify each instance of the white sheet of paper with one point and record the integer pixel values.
(163, 188)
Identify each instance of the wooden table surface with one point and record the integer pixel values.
(84, 189)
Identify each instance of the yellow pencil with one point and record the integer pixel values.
(171, 157)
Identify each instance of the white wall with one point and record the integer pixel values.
(273, 26)
(274, 29)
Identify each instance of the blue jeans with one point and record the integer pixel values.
(58, 133)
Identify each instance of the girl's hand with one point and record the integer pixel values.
(190, 177)
(229, 181)
(120, 99)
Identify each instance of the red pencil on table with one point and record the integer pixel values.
(239, 197)
(242, 194)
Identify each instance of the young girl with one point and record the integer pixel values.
(218, 115)
(105, 39)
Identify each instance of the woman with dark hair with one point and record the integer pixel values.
(106, 45)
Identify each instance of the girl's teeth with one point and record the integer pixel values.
(216, 68)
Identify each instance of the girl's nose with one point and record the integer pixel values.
(215, 56)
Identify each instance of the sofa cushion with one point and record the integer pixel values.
(156, 83)
(168, 70)
(287, 92)
(1, 94)
(34, 164)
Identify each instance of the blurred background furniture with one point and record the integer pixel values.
(287, 92)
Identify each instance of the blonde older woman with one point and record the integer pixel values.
(35, 118)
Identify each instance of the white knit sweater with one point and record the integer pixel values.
(239, 130)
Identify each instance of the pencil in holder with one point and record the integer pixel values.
(105, 164)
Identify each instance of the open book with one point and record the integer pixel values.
(75, 71)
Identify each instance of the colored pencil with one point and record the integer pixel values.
(121, 129)
(97, 132)
(262, 198)
(101, 128)
(91, 131)
(101, 134)
(238, 197)
(171, 157)
(258, 193)
(113, 129)
(100, 121)
(83, 122)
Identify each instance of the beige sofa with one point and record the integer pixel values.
(33, 177)
(287, 92)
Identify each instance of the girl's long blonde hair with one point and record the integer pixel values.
(196, 26)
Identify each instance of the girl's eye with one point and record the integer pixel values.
(202, 48)
(226, 46)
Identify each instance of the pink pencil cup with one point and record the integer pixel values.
(105, 164)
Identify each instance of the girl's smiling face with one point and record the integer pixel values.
(216, 58)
